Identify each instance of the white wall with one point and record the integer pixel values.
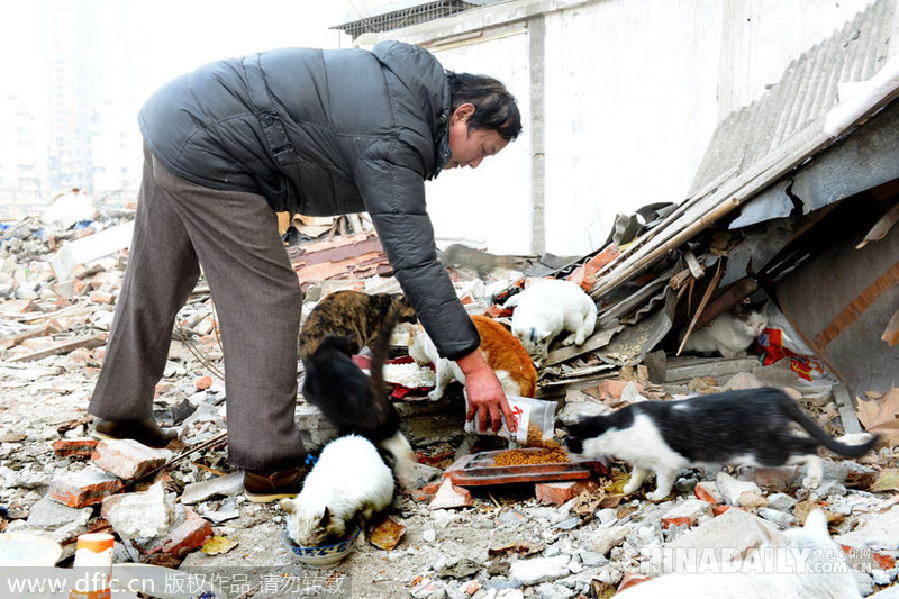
(489, 205)
(633, 92)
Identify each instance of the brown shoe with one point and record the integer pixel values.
(144, 431)
(263, 487)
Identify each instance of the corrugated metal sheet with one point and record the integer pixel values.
(806, 91)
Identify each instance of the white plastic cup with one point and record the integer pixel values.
(93, 564)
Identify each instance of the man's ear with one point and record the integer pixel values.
(463, 112)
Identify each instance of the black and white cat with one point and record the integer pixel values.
(357, 403)
(731, 333)
(816, 568)
(747, 427)
(354, 475)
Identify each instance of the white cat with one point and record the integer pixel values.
(502, 351)
(546, 309)
(819, 571)
(349, 480)
(731, 333)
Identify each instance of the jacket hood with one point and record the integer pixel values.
(426, 78)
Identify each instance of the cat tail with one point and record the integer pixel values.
(385, 420)
(819, 434)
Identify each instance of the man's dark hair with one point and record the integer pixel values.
(494, 106)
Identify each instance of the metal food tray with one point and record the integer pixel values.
(478, 469)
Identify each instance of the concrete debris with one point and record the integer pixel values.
(494, 542)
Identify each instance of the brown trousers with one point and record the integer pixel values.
(234, 236)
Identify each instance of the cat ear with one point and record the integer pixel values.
(325, 519)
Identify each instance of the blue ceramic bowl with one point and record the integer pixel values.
(325, 555)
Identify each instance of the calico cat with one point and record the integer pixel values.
(750, 426)
(349, 481)
(502, 351)
(548, 308)
(356, 315)
(813, 567)
(357, 403)
(731, 333)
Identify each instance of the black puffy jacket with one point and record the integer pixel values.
(322, 133)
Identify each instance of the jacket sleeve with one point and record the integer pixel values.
(390, 177)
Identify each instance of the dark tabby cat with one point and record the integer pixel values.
(354, 315)
(481, 262)
(749, 426)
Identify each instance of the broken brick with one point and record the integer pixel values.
(679, 521)
(584, 276)
(707, 491)
(184, 538)
(557, 493)
(99, 279)
(450, 496)
(631, 579)
(203, 382)
(613, 388)
(19, 306)
(128, 459)
(83, 488)
(81, 447)
(102, 297)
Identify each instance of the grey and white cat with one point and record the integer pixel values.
(548, 308)
(350, 480)
(749, 426)
(731, 333)
(819, 570)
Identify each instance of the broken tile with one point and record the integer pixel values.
(83, 488)
(128, 459)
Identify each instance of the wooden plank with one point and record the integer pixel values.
(846, 408)
(891, 333)
(594, 341)
(677, 371)
(89, 341)
(11, 340)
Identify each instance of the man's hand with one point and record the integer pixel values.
(485, 394)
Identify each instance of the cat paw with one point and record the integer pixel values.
(435, 395)
(657, 495)
(811, 482)
(630, 487)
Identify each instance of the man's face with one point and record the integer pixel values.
(471, 147)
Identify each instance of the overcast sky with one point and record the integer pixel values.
(177, 35)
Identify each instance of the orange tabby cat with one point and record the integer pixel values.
(503, 351)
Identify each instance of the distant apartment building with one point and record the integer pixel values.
(23, 160)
